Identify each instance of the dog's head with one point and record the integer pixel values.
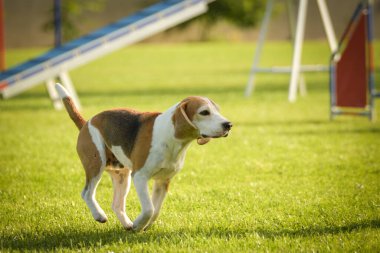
(199, 118)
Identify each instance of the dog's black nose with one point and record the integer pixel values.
(227, 125)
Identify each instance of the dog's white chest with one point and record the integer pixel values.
(167, 154)
(168, 159)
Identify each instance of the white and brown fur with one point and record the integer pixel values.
(140, 146)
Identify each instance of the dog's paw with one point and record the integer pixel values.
(102, 219)
(136, 228)
(142, 221)
(128, 226)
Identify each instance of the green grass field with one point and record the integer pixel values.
(285, 180)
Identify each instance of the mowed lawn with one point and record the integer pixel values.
(286, 179)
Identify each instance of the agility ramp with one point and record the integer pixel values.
(132, 29)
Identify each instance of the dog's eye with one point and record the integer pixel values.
(204, 113)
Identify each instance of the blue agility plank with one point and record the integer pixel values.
(126, 31)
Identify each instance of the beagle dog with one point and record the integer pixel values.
(140, 145)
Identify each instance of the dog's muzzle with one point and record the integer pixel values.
(226, 130)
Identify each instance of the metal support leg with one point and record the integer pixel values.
(66, 81)
(296, 65)
(291, 18)
(329, 29)
(259, 48)
(302, 85)
(292, 28)
(57, 103)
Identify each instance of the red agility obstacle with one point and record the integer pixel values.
(352, 69)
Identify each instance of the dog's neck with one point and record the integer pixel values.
(164, 136)
(164, 124)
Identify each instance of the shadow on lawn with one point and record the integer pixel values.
(40, 100)
(308, 127)
(320, 231)
(157, 92)
(148, 91)
(76, 239)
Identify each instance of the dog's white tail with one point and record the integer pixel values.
(62, 92)
(70, 106)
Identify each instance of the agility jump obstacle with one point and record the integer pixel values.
(297, 32)
(132, 29)
(352, 85)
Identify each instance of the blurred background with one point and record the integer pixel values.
(287, 179)
(30, 23)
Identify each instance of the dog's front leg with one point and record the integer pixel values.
(160, 188)
(147, 209)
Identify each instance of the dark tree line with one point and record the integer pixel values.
(243, 13)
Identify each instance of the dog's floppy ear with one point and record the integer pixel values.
(182, 128)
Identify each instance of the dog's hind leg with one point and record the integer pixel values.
(121, 180)
(91, 151)
(88, 195)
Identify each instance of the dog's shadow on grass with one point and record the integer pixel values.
(320, 231)
(78, 239)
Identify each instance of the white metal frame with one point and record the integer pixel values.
(296, 67)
